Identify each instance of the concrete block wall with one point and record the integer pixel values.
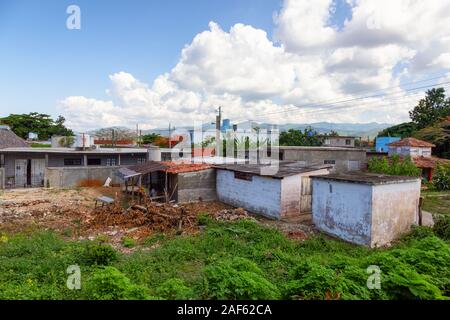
(71, 177)
(262, 195)
(195, 185)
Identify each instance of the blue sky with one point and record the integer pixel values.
(150, 62)
(42, 61)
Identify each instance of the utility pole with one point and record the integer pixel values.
(169, 135)
(218, 122)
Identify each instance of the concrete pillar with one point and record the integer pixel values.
(118, 161)
(85, 160)
(154, 153)
(46, 160)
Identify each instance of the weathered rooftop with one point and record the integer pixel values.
(366, 178)
(411, 142)
(167, 166)
(285, 169)
(9, 139)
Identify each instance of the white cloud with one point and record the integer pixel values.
(311, 61)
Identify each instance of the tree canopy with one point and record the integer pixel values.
(307, 137)
(42, 124)
(430, 109)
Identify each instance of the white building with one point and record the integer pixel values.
(279, 194)
(411, 147)
(366, 209)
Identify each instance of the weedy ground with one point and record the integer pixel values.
(226, 260)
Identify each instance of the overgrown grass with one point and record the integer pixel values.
(436, 201)
(232, 260)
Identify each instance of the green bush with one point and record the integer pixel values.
(128, 242)
(100, 254)
(396, 167)
(237, 278)
(442, 227)
(108, 283)
(441, 177)
(203, 219)
(174, 289)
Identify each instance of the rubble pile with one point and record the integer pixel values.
(231, 214)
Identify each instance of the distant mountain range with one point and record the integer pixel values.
(364, 130)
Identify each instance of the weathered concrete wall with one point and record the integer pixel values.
(193, 186)
(10, 163)
(262, 195)
(73, 176)
(290, 195)
(410, 151)
(395, 209)
(318, 156)
(2, 178)
(343, 210)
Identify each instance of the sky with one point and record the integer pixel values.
(154, 62)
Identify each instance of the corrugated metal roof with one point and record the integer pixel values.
(72, 150)
(366, 178)
(169, 167)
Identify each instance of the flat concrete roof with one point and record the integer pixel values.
(75, 151)
(285, 168)
(322, 148)
(366, 178)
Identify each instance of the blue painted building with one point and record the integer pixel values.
(381, 144)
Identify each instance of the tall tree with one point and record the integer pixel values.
(42, 124)
(307, 137)
(431, 109)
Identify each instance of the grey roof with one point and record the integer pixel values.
(284, 169)
(9, 139)
(366, 178)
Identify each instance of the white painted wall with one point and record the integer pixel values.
(395, 209)
(261, 195)
(343, 209)
(410, 151)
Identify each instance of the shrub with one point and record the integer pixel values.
(100, 254)
(203, 219)
(174, 289)
(237, 278)
(128, 242)
(396, 167)
(442, 227)
(441, 177)
(109, 283)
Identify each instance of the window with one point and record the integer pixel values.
(329, 161)
(348, 142)
(72, 162)
(111, 162)
(141, 160)
(243, 176)
(94, 162)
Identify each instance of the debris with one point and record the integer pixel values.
(107, 182)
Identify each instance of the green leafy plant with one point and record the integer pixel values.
(441, 177)
(128, 242)
(100, 254)
(442, 227)
(397, 167)
(108, 283)
(174, 289)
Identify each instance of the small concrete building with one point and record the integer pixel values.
(365, 209)
(283, 192)
(381, 144)
(339, 141)
(411, 147)
(342, 159)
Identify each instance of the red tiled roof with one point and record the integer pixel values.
(182, 167)
(411, 142)
(428, 162)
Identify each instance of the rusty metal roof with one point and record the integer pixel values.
(411, 142)
(169, 167)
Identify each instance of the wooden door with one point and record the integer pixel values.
(21, 167)
(37, 172)
(306, 195)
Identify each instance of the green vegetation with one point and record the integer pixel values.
(428, 122)
(436, 202)
(395, 167)
(150, 138)
(441, 178)
(40, 145)
(42, 124)
(227, 260)
(307, 137)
